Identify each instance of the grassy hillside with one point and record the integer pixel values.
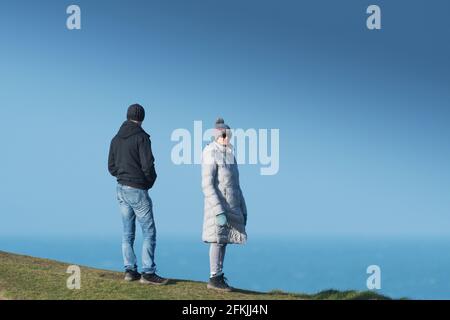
(24, 277)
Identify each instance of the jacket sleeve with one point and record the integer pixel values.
(147, 160)
(243, 204)
(209, 173)
(111, 161)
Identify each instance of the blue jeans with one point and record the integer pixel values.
(136, 203)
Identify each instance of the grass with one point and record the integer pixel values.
(25, 277)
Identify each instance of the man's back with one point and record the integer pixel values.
(131, 159)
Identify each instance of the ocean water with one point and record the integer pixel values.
(417, 268)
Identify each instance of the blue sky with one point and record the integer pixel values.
(363, 115)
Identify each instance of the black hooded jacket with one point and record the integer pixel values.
(130, 158)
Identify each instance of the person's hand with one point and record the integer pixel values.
(221, 219)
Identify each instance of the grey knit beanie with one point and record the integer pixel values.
(221, 128)
(136, 112)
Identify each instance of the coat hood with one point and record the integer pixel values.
(130, 128)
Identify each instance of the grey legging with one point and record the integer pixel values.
(216, 257)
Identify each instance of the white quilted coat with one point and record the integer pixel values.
(220, 184)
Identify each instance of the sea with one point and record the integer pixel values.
(409, 267)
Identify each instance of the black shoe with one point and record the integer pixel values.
(153, 278)
(219, 283)
(131, 275)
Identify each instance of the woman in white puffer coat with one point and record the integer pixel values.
(225, 211)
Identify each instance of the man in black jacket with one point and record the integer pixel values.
(131, 161)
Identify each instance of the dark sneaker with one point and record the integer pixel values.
(153, 278)
(131, 275)
(219, 283)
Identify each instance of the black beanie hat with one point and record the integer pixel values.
(136, 112)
